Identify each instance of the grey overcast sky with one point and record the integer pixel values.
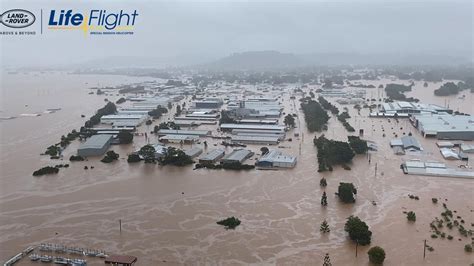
(217, 28)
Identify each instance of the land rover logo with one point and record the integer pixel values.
(17, 18)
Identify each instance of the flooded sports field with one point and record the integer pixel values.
(169, 213)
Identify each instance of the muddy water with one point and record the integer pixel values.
(169, 213)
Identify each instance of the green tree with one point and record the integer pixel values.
(323, 182)
(346, 192)
(148, 153)
(315, 116)
(110, 156)
(358, 230)
(229, 223)
(376, 255)
(175, 157)
(324, 228)
(264, 150)
(324, 199)
(125, 137)
(289, 121)
(411, 216)
(226, 117)
(358, 145)
(178, 110)
(468, 248)
(133, 158)
(327, 260)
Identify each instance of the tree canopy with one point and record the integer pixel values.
(289, 121)
(125, 137)
(148, 153)
(157, 112)
(376, 255)
(447, 89)
(229, 223)
(108, 109)
(358, 145)
(175, 157)
(346, 192)
(358, 230)
(315, 116)
(332, 152)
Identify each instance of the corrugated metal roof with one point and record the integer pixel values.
(212, 155)
(184, 132)
(238, 155)
(265, 138)
(258, 127)
(96, 142)
(277, 156)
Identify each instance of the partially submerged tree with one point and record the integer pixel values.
(229, 223)
(264, 150)
(324, 199)
(376, 255)
(324, 228)
(346, 192)
(148, 153)
(411, 216)
(327, 260)
(323, 182)
(289, 121)
(358, 230)
(125, 137)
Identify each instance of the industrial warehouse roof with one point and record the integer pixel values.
(433, 169)
(212, 155)
(193, 152)
(124, 117)
(259, 121)
(121, 259)
(406, 142)
(468, 148)
(449, 154)
(238, 155)
(432, 124)
(96, 142)
(257, 131)
(411, 106)
(277, 156)
(184, 132)
(259, 127)
(179, 137)
(256, 138)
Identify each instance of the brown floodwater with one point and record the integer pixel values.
(169, 214)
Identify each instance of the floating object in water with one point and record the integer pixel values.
(30, 114)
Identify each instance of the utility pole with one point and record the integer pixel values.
(375, 169)
(120, 224)
(357, 245)
(424, 249)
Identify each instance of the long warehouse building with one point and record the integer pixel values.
(445, 126)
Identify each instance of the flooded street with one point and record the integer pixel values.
(169, 213)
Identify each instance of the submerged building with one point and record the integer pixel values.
(445, 126)
(237, 156)
(212, 156)
(407, 143)
(276, 159)
(95, 145)
(412, 108)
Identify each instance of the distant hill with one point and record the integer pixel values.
(268, 60)
(256, 60)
